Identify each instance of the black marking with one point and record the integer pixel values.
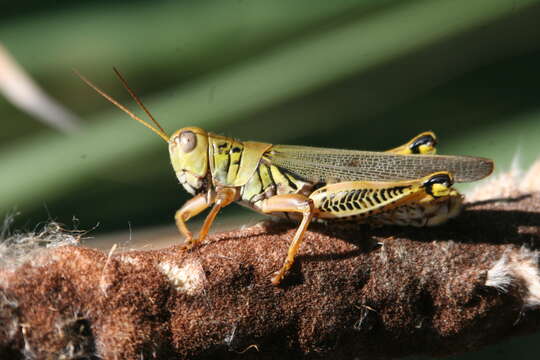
(349, 196)
(228, 164)
(222, 145)
(324, 205)
(383, 194)
(362, 204)
(260, 176)
(370, 201)
(422, 140)
(363, 194)
(376, 198)
(204, 184)
(269, 171)
(240, 159)
(443, 179)
(291, 183)
(236, 149)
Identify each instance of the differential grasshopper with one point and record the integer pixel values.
(407, 185)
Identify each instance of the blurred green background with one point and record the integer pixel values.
(354, 74)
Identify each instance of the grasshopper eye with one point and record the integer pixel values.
(188, 141)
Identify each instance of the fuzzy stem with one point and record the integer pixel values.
(364, 293)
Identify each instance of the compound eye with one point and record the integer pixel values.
(188, 141)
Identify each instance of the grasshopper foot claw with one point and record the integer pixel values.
(279, 275)
(276, 279)
(188, 244)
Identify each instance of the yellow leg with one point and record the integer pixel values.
(198, 204)
(423, 143)
(290, 203)
(191, 208)
(224, 197)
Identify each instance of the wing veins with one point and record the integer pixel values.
(322, 165)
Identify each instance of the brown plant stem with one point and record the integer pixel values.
(357, 293)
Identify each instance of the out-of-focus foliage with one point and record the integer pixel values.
(357, 74)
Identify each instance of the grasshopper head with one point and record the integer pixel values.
(188, 148)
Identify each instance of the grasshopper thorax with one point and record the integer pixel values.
(188, 148)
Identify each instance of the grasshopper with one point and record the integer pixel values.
(407, 185)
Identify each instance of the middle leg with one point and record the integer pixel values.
(290, 203)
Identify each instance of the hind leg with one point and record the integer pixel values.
(426, 201)
(423, 144)
(438, 203)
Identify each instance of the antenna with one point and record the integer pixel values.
(136, 98)
(158, 131)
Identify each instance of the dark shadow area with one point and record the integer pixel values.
(497, 200)
(494, 221)
(477, 226)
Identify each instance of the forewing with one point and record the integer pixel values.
(333, 165)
